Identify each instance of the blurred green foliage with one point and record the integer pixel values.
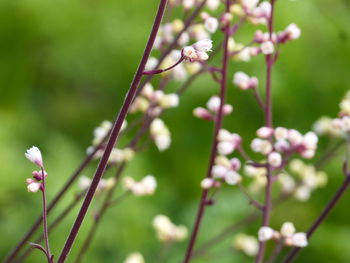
(66, 65)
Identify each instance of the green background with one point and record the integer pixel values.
(66, 65)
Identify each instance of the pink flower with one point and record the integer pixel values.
(34, 155)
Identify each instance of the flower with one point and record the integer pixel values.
(34, 155)
(146, 186)
(208, 183)
(134, 257)
(211, 24)
(160, 134)
(287, 229)
(244, 82)
(198, 51)
(167, 231)
(267, 48)
(248, 244)
(33, 186)
(264, 132)
(265, 233)
(275, 159)
(299, 239)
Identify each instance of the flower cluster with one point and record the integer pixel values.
(225, 169)
(104, 184)
(117, 155)
(198, 51)
(248, 244)
(213, 106)
(309, 179)
(167, 231)
(337, 127)
(154, 101)
(275, 142)
(287, 234)
(34, 155)
(146, 186)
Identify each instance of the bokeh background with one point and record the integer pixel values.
(65, 67)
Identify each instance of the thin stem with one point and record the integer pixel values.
(13, 254)
(276, 252)
(106, 203)
(326, 211)
(54, 223)
(114, 135)
(158, 71)
(268, 123)
(173, 45)
(258, 98)
(218, 124)
(250, 198)
(46, 233)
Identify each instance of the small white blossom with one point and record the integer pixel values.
(299, 239)
(211, 24)
(248, 244)
(135, 257)
(33, 186)
(287, 229)
(34, 155)
(264, 132)
(198, 51)
(265, 233)
(167, 231)
(232, 178)
(267, 48)
(275, 159)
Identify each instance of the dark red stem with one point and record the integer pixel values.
(218, 125)
(158, 71)
(114, 134)
(326, 211)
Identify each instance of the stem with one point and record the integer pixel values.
(46, 233)
(218, 124)
(326, 211)
(268, 123)
(53, 203)
(167, 51)
(58, 220)
(106, 203)
(114, 134)
(158, 71)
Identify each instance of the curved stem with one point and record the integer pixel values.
(268, 123)
(158, 71)
(114, 134)
(218, 124)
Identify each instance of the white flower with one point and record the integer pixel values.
(262, 146)
(299, 239)
(146, 186)
(101, 131)
(207, 183)
(275, 159)
(267, 48)
(211, 24)
(34, 155)
(287, 229)
(197, 52)
(135, 257)
(265, 233)
(213, 4)
(161, 134)
(281, 133)
(213, 103)
(167, 231)
(287, 183)
(264, 132)
(232, 178)
(169, 101)
(33, 186)
(225, 148)
(293, 31)
(248, 244)
(219, 171)
(244, 82)
(202, 113)
(84, 182)
(249, 4)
